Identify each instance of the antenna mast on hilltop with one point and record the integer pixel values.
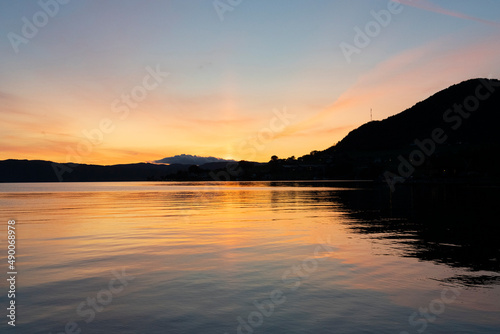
(371, 115)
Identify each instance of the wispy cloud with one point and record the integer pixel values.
(431, 7)
(405, 78)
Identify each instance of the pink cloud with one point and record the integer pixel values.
(401, 81)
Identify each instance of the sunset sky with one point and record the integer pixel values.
(227, 78)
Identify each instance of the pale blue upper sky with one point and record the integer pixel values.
(226, 77)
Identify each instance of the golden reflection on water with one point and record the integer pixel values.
(218, 230)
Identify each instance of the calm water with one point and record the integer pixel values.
(252, 257)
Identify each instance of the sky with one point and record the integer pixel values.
(125, 81)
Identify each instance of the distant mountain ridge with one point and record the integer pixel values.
(467, 114)
(187, 159)
(47, 171)
(12, 170)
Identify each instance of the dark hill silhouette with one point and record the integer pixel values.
(47, 171)
(417, 122)
(471, 149)
(187, 159)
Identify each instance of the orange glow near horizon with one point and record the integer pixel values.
(78, 106)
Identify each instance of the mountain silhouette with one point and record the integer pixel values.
(453, 132)
(187, 159)
(478, 126)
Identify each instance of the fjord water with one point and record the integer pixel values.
(252, 257)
